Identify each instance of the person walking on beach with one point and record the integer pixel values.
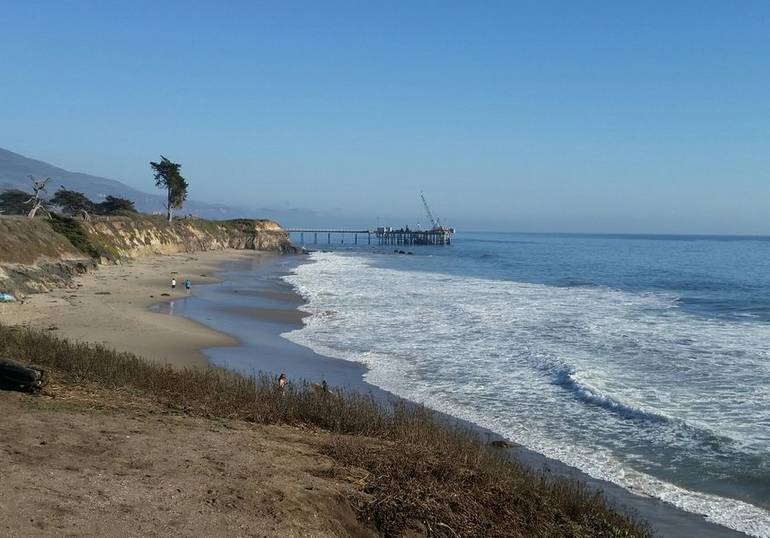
(282, 381)
(187, 285)
(173, 283)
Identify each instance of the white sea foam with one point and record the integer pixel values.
(617, 384)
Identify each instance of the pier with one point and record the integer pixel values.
(386, 235)
(328, 233)
(436, 236)
(383, 236)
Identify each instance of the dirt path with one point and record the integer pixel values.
(89, 464)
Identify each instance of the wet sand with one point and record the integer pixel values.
(110, 306)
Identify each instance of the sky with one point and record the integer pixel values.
(574, 116)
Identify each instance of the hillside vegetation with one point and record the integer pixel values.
(25, 241)
(418, 474)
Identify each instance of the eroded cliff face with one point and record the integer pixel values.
(131, 237)
(34, 258)
(37, 254)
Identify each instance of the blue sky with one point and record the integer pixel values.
(531, 116)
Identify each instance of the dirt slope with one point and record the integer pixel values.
(79, 463)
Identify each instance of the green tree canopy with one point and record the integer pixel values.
(14, 202)
(115, 204)
(167, 176)
(72, 202)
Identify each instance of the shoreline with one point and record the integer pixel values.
(267, 307)
(113, 306)
(666, 519)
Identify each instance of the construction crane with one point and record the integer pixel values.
(435, 222)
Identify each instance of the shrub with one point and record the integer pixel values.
(14, 202)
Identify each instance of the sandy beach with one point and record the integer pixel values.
(111, 306)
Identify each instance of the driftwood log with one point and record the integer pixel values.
(17, 376)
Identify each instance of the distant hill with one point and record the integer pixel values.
(15, 169)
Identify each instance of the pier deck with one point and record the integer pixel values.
(383, 236)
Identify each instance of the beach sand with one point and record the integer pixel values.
(111, 306)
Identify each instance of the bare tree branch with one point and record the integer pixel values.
(37, 201)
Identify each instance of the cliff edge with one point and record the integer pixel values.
(39, 254)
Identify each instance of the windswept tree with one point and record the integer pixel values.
(115, 204)
(14, 202)
(168, 177)
(37, 201)
(74, 202)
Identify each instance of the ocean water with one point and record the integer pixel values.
(642, 360)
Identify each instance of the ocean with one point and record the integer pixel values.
(641, 360)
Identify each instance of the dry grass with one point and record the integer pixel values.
(421, 474)
(26, 241)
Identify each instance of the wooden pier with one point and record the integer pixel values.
(383, 236)
(328, 233)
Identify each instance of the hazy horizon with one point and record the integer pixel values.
(547, 117)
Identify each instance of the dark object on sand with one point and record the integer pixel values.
(16, 376)
(501, 443)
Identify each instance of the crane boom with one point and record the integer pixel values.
(435, 222)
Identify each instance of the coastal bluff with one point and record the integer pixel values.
(39, 254)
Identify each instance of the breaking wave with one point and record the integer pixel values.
(618, 384)
(592, 396)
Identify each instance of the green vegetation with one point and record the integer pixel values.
(73, 231)
(86, 243)
(114, 205)
(77, 203)
(17, 202)
(112, 238)
(73, 202)
(422, 475)
(168, 176)
(25, 241)
(14, 202)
